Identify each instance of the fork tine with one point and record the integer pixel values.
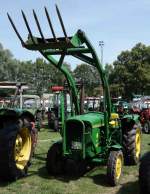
(50, 23)
(61, 22)
(27, 25)
(15, 29)
(38, 25)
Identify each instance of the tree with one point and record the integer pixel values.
(132, 71)
(89, 75)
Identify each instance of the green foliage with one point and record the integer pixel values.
(131, 73)
(89, 75)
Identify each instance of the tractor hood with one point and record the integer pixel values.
(95, 119)
(10, 112)
(15, 113)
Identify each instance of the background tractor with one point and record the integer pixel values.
(18, 135)
(62, 106)
(145, 117)
(54, 111)
(90, 138)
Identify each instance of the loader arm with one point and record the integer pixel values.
(77, 46)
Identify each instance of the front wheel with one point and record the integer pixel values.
(114, 167)
(54, 160)
(144, 174)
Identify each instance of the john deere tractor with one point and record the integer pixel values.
(17, 136)
(91, 138)
(55, 108)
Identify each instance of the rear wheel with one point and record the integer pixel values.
(15, 149)
(54, 161)
(144, 174)
(114, 167)
(132, 145)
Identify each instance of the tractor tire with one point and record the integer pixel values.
(146, 127)
(71, 168)
(54, 161)
(132, 145)
(114, 167)
(74, 168)
(144, 174)
(15, 149)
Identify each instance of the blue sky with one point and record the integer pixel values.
(119, 23)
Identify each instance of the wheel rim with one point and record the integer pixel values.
(22, 148)
(138, 143)
(118, 167)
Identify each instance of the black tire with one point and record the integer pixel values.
(15, 159)
(54, 161)
(144, 174)
(132, 145)
(146, 127)
(75, 168)
(71, 168)
(114, 167)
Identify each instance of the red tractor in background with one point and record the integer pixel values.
(53, 110)
(142, 107)
(145, 117)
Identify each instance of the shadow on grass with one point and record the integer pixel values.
(129, 188)
(4, 183)
(42, 172)
(100, 179)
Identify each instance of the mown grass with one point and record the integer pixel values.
(38, 180)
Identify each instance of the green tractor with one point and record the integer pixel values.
(17, 135)
(91, 138)
(54, 110)
(61, 105)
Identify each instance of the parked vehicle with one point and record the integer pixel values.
(91, 138)
(18, 135)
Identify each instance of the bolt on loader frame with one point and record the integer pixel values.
(89, 138)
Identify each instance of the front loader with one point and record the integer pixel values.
(90, 138)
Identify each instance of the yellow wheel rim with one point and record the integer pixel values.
(119, 162)
(22, 148)
(138, 143)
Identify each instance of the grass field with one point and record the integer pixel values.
(94, 182)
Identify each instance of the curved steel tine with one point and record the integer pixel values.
(50, 23)
(15, 29)
(28, 27)
(38, 25)
(61, 21)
